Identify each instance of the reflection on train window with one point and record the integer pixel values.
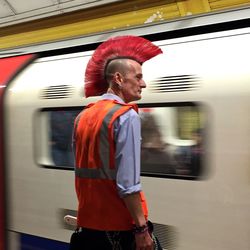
(61, 124)
(172, 141)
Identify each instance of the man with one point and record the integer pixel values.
(112, 212)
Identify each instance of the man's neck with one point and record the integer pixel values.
(116, 92)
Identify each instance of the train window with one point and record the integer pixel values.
(54, 134)
(61, 127)
(171, 146)
(172, 141)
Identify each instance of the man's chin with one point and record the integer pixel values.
(136, 98)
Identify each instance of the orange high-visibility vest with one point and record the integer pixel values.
(100, 207)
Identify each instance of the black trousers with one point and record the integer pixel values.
(88, 239)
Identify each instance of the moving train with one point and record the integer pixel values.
(195, 116)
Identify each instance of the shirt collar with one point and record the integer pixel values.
(110, 96)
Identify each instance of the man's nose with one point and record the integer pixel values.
(143, 84)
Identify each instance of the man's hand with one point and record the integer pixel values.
(144, 241)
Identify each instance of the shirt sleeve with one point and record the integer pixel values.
(127, 131)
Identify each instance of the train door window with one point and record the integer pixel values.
(172, 141)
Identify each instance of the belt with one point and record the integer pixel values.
(84, 229)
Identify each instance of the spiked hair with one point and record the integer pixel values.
(130, 47)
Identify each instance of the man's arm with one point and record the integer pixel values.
(133, 202)
(128, 138)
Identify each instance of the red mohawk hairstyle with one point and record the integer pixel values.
(131, 47)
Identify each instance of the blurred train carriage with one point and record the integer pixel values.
(195, 142)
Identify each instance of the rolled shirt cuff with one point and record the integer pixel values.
(130, 190)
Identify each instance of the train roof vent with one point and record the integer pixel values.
(174, 83)
(57, 92)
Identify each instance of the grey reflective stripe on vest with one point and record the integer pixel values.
(95, 173)
(104, 172)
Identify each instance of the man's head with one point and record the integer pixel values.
(125, 79)
(130, 51)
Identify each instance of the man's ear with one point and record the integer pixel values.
(118, 79)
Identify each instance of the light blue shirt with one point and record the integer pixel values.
(127, 134)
